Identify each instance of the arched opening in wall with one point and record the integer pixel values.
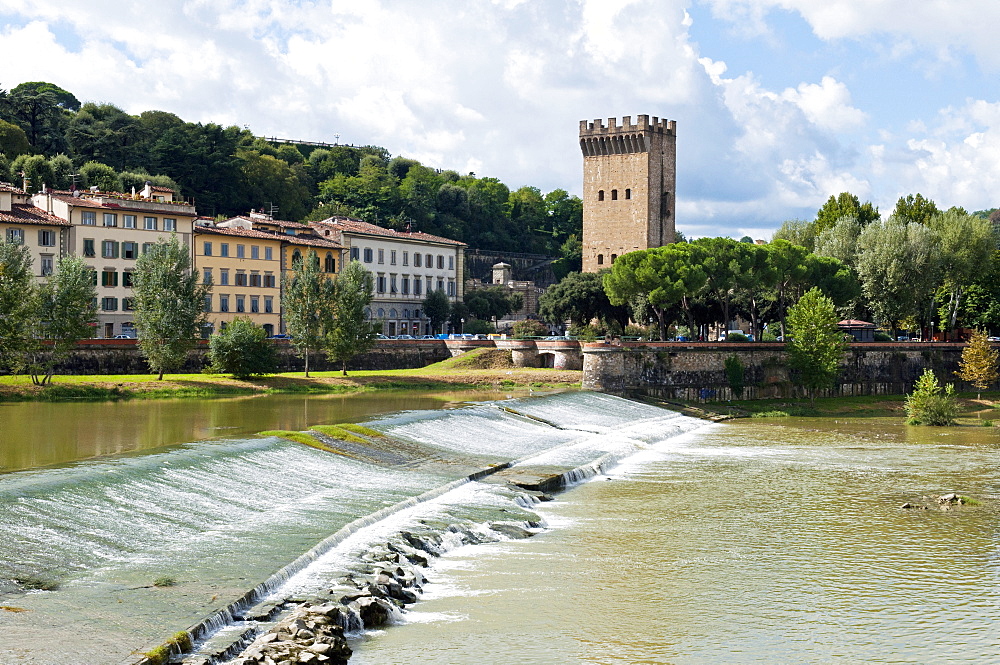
(600, 259)
(547, 360)
(628, 194)
(269, 329)
(614, 194)
(330, 264)
(600, 195)
(613, 257)
(296, 258)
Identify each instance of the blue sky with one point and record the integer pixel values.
(779, 103)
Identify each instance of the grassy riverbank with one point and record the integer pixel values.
(473, 370)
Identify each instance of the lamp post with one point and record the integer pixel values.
(462, 329)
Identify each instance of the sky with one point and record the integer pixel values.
(779, 103)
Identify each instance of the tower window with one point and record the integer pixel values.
(600, 195)
(600, 259)
(614, 194)
(613, 257)
(628, 193)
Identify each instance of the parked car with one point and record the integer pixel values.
(405, 337)
(124, 337)
(381, 336)
(281, 336)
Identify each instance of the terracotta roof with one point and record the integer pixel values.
(240, 232)
(7, 187)
(311, 241)
(158, 188)
(25, 213)
(347, 225)
(846, 323)
(275, 222)
(88, 202)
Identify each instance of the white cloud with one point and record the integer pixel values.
(826, 104)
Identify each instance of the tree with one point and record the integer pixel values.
(928, 404)
(914, 209)
(242, 349)
(788, 267)
(307, 302)
(41, 109)
(979, 361)
(33, 168)
(724, 262)
(580, 298)
(101, 176)
(169, 301)
(492, 302)
(966, 244)
(845, 205)
(528, 329)
(17, 305)
(798, 232)
(352, 332)
(436, 308)
(735, 375)
(816, 345)
(13, 140)
(66, 314)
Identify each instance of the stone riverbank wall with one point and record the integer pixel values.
(696, 371)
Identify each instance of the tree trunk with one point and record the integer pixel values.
(307, 363)
(660, 323)
(344, 368)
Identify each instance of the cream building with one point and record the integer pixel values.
(405, 267)
(45, 235)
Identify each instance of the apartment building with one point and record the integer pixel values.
(406, 267)
(46, 236)
(110, 230)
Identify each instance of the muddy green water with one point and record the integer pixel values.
(38, 434)
(738, 543)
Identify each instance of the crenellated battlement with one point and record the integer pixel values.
(597, 128)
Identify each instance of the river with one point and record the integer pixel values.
(747, 542)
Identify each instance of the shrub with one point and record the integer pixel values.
(243, 350)
(735, 371)
(737, 337)
(588, 333)
(929, 404)
(528, 328)
(767, 335)
(164, 581)
(479, 327)
(882, 336)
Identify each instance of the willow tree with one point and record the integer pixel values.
(169, 301)
(307, 305)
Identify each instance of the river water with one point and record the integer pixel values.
(746, 542)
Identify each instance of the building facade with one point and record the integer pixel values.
(629, 184)
(405, 267)
(46, 236)
(110, 231)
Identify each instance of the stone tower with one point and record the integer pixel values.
(629, 177)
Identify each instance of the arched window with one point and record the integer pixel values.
(296, 258)
(368, 312)
(613, 257)
(381, 313)
(406, 313)
(614, 194)
(600, 259)
(392, 313)
(600, 195)
(330, 263)
(628, 193)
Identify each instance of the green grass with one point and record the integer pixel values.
(969, 501)
(37, 584)
(164, 581)
(770, 414)
(361, 429)
(339, 433)
(298, 437)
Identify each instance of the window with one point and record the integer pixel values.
(254, 278)
(440, 285)
(628, 193)
(392, 283)
(392, 257)
(241, 278)
(404, 285)
(380, 284)
(110, 219)
(254, 304)
(169, 224)
(224, 277)
(451, 287)
(207, 248)
(355, 254)
(15, 236)
(429, 262)
(254, 252)
(406, 258)
(223, 249)
(241, 304)
(269, 280)
(109, 249)
(440, 262)
(206, 276)
(241, 251)
(600, 259)
(330, 264)
(88, 248)
(127, 278)
(128, 221)
(109, 304)
(381, 256)
(128, 304)
(46, 264)
(416, 286)
(223, 303)
(88, 218)
(109, 278)
(130, 250)
(451, 262)
(268, 305)
(600, 195)
(208, 303)
(416, 260)
(614, 194)
(147, 247)
(368, 255)
(268, 254)
(149, 223)
(47, 238)
(296, 259)
(430, 284)
(613, 257)
(93, 280)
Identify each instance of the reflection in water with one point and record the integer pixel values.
(35, 434)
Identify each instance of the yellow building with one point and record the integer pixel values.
(45, 235)
(244, 268)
